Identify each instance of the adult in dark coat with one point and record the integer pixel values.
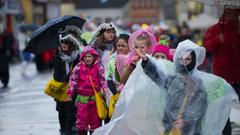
(6, 40)
(222, 40)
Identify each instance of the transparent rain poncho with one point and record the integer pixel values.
(153, 96)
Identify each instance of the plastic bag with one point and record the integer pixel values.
(57, 90)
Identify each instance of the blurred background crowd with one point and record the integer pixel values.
(179, 19)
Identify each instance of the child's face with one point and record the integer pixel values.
(186, 59)
(141, 46)
(122, 46)
(109, 35)
(88, 59)
(160, 55)
(64, 47)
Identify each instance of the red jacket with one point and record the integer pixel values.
(226, 54)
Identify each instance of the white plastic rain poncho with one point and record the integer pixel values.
(149, 106)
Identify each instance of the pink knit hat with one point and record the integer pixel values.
(161, 48)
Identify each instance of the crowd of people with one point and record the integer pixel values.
(157, 78)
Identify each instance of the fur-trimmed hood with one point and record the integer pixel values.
(103, 27)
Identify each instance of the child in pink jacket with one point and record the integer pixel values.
(89, 65)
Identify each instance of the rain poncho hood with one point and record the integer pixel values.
(133, 36)
(132, 40)
(141, 106)
(187, 46)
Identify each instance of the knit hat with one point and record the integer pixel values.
(161, 48)
(103, 27)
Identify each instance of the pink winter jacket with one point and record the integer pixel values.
(79, 80)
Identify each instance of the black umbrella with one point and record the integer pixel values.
(47, 36)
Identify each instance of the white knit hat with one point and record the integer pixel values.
(103, 27)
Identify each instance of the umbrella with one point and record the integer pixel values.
(202, 21)
(220, 2)
(47, 36)
(28, 27)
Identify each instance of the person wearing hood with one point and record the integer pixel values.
(89, 65)
(139, 40)
(116, 64)
(66, 57)
(222, 41)
(105, 41)
(114, 71)
(186, 97)
(155, 101)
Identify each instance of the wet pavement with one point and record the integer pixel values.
(26, 110)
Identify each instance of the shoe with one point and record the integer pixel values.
(62, 132)
(5, 86)
(74, 130)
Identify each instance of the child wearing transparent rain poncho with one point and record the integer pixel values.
(194, 102)
(140, 39)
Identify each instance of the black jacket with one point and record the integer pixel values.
(60, 75)
(60, 71)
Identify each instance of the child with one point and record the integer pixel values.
(185, 91)
(87, 118)
(105, 36)
(116, 64)
(161, 52)
(105, 39)
(164, 40)
(141, 40)
(114, 70)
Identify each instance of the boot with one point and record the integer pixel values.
(82, 132)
